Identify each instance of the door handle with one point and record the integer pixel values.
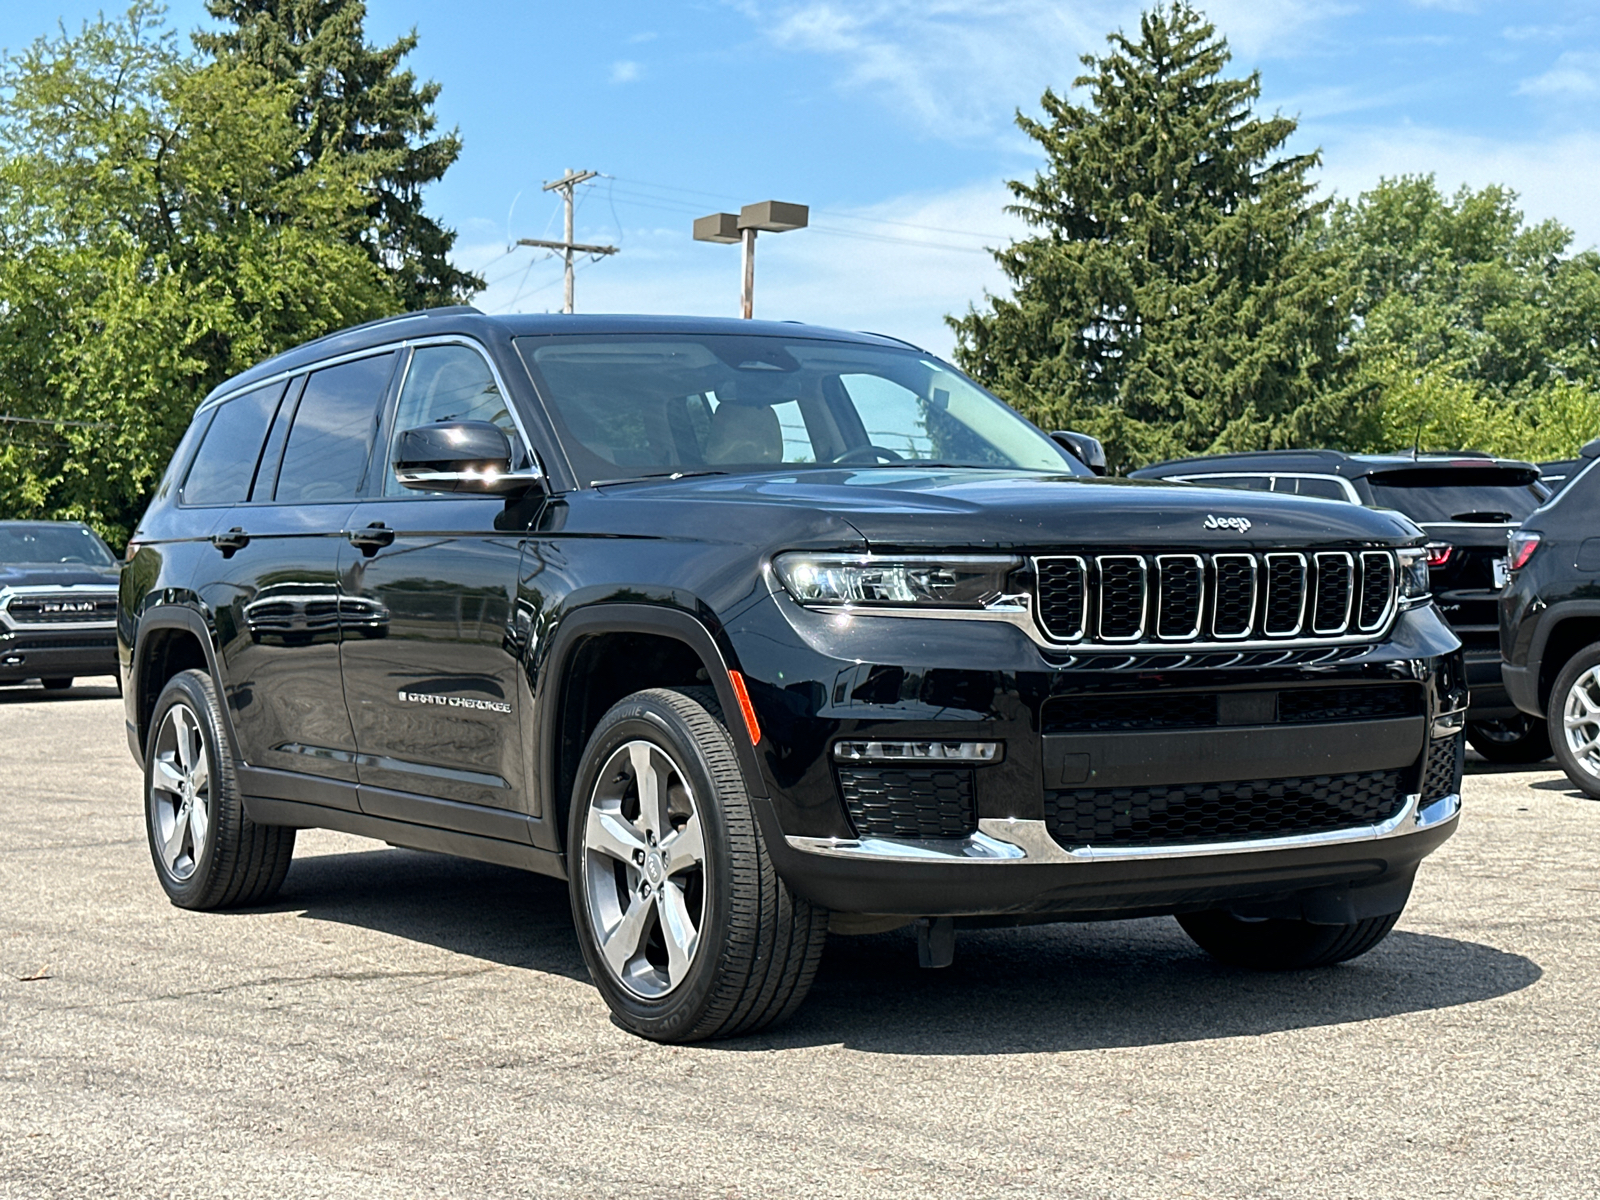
(235, 539)
(371, 539)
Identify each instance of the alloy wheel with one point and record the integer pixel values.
(644, 866)
(180, 792)
(1580, 718)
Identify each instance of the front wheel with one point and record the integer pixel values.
(1273, 944)
(685, 925)
(1575, 720)
(1519, 739)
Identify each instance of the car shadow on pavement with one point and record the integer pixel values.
(29, 694)
(498, 914)
(1125, 983)
(1043, 987)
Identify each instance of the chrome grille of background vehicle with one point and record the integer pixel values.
(1126, 599)
(62, 608)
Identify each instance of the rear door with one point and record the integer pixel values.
(430, 656)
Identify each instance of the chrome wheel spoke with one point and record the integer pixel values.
(686, 848)
(199, 826)
(647, 776)
(610, 834)
(678, 931)
(625, 940)
(172, 844)
(167, 777)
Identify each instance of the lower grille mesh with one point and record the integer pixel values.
(908, 802)
(1442, 774)
(1186, 814)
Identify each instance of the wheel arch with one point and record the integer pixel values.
(171, 638)
(604, 652)
(1566, 629)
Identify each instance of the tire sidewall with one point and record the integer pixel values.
(1556, 709)
(187, 688)
(634, 719)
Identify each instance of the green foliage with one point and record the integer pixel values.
(151, 245)
(1171, 300)
(353, 101)
(1476, 330)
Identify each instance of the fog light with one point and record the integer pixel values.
(917, 751)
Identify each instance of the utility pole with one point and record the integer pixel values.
(565, 185)
(772, 216)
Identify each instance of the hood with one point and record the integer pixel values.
(56, 575)
(995, 510)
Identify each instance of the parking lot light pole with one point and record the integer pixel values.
(770, 216)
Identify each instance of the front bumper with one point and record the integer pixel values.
(48, 653)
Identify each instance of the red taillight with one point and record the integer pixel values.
(1439, 553)
(1521, 549)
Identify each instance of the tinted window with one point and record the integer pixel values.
(1299, 485)
(626, 406)
(1488, 494)
(48, 543)
(226, 461)
(447, 383)
(1250, 483)
(331, 439)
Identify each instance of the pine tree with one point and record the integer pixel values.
(354, 100)
(1173, 299)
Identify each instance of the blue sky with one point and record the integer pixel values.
(893, 120)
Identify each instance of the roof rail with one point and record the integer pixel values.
(445, 310)
(889, 337)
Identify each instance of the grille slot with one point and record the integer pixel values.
(909, 802)
(1181, 583)
(1122, 597)
(1377, 590)
(1151, 600)
(1299, 706)
(1286, 594)
(1097, 713)
(1240, 810)
(1062, 590)
(1335, 589)
(1441, 772)
(1101, 712)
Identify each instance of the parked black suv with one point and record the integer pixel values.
(755, 630)
(58, 603)
(1550, 621)
(1467, 502)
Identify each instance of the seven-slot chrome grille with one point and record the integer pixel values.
(1127, 599)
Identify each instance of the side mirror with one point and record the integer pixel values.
(1082, 447)
(459, 456)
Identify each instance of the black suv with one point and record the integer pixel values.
(58, 603)
(1467, 502)
(1550, 621)
(754, 630)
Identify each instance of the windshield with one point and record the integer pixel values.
(53, 544)
(631, 405)
(1486, 495)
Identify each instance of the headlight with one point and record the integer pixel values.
(953, 581)
(1415, 588)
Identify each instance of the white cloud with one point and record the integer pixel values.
(960, 68)
(1575, 74)
(1555, 177)
(904, 286)
(625, 71)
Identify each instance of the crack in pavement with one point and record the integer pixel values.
(279, 981)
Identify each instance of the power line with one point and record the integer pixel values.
(566, 185)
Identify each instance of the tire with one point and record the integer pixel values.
(222, 859)
(57, 684)
(1281, 945)
(1574, 720)
(1519, 739)
(747, 948)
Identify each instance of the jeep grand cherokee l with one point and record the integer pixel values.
(749, 630)
(1467, 503)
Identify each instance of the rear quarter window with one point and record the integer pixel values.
(231, 449)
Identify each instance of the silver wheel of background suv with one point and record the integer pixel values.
(180, 792)
(644, 876)
(1580, 720)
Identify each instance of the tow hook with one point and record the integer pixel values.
(936, 941)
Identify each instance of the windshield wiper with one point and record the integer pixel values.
(652, 475)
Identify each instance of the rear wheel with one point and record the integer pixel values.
(686, 927)
(1271, 944)
(1574, 720)
(58, 683)
(1519, 739)
(207, 852)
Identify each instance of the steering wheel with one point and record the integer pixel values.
(867, 452)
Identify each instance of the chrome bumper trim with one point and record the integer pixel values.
(1010, 840)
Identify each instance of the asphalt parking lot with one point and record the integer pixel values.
(400, 1024)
